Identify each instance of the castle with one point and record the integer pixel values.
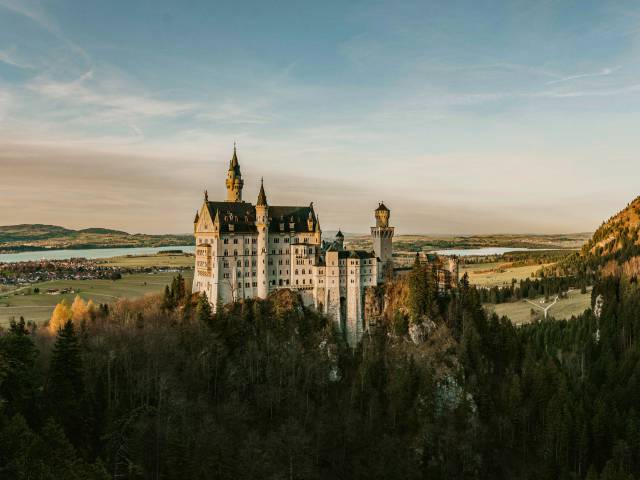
(248, 251)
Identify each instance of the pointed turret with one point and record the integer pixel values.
(339, 241)
(233, 164)
(234, 180)
(262, 197)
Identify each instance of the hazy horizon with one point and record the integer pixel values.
(516, 118)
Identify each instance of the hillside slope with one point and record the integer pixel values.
(613, 249)
(25, 237)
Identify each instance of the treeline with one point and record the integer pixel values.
(521, 259)
(531, 288)
(162, 387)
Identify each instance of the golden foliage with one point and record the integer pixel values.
(61, 314)
(79, 310)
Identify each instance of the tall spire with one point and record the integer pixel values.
(262, 197)
(233, 164)
(234, 180)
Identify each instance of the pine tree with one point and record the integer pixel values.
(66, 385)
(203, 310)
(18, 378)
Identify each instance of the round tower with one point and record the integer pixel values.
(382, 238)
(234, 180)
(262, 225)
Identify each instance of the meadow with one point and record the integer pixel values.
(38, 307)
(497, 274)
(520, 312)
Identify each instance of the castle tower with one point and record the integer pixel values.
(339, 241)
(382, 237)
(234, 180)
(262, 225)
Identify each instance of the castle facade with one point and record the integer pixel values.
(248, 251)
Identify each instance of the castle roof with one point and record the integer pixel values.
(286, 216)
(242, 215)
(339, 234)
(342, 254)
(382, 208)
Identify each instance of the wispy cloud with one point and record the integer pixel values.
(80, 93)
(8, 56)
(605, 72)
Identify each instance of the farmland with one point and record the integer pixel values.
(520, 312)
(38, 307)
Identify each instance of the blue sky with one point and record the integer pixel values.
(463, 116)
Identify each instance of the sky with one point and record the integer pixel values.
(462, 116)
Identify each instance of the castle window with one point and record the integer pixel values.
(235, 241)
(303, 272)
(246, 263)
(253, 240)
(238, 263)
(225, 241)
(255, 284)
(276, 240)
(247, 284)
(246, 252)
(303, 281)
(297, 281)
(273, 252)
(235, 253)
(286, 240)
(296, 272)
(226, 253)
(246, 240)
(226, 275)
(239, 284)
(225, 264)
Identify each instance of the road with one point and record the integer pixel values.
(544, 309)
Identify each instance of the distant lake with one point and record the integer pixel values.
(88, 253)
(467, 252)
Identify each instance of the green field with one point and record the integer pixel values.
(496, 274)
(520, 312)
(38, 307)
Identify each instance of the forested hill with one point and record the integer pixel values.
(163, 388)
(14, 238)
(614, 248)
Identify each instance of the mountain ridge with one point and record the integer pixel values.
(25, 237)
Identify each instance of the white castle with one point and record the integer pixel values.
(248, 251)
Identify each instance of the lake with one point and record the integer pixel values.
(89, 253)
(467, 252)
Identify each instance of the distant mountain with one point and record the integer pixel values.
(25, 237)
(614, 247)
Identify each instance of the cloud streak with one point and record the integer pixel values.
(605, 72)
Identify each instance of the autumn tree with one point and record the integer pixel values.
(61, 314)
